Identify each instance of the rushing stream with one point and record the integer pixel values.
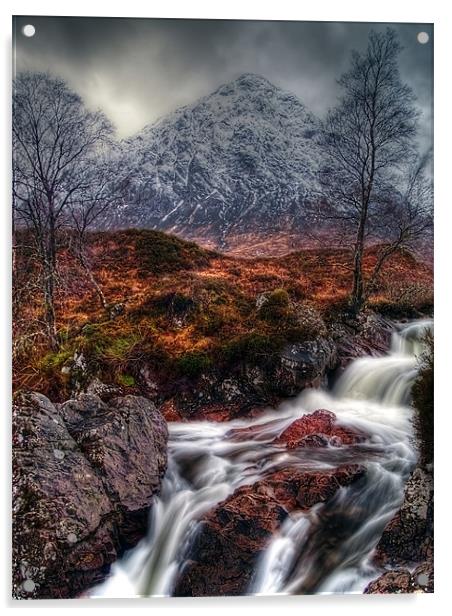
(324, 550)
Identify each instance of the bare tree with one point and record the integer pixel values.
(89, 207)
(368, 139)
(55, 144)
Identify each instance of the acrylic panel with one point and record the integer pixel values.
(222, 307)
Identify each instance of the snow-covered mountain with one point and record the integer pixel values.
(241, 160)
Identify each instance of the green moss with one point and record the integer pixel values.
(107, 341)
(93, 339)
(120, 348)
(53, 362)
(90, 329)
(192, 364)
(127, 380)
(276, 308)
(254, 348)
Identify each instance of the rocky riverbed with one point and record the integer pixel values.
(276, 501)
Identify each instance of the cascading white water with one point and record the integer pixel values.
(325, 550)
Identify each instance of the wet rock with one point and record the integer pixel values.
(318, 429)
(304, 365)
(407, 540)
(256, 432)
(401, 581)
(84, 476)
(408, 537)
(125, 441)
(170, 411)
(367, 334)
(149, 382)
(181, 408)
(230, 538)
(391, 582)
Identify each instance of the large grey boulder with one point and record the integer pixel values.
(84, 477)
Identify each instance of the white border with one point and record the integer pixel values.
(427, 11)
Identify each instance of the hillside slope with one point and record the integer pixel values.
(181, 311)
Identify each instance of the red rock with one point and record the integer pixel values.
(255, 433)
(221, 412)
(231, 537)
(391, 582)
(170, 412)
(176, 410)
(318, 429)
(401, 581)
(216, 412)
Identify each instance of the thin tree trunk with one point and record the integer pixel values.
(358, 283)
(100, 294)
(357, 299)
(49, 301)
(358, 292)
(50, 278)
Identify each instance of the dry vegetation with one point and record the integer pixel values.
(182, 308)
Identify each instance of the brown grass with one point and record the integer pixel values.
(220, 292)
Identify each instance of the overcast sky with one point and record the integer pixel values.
(138, 70)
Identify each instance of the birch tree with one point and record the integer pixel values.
(56, 141)
(368, 142)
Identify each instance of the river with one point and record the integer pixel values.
(327, 549)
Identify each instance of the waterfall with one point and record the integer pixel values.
(328, 548)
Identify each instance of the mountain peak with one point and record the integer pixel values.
(242, 158)
(247, 82)
(251, 80)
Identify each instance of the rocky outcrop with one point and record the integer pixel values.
(366, 334)
(318, 429)
(407, 540)
(247, 389)
(230, 539)
(402, 581)
(250, 384)
(84, 476)
(408, 537)
(304, 365)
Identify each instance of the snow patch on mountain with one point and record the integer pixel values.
(244, 158)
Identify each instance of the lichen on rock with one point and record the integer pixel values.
(84, 477)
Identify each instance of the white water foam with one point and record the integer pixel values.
(326, 550)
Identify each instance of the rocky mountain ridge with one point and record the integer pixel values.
(241, 159)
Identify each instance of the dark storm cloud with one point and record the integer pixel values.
(137, 70)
